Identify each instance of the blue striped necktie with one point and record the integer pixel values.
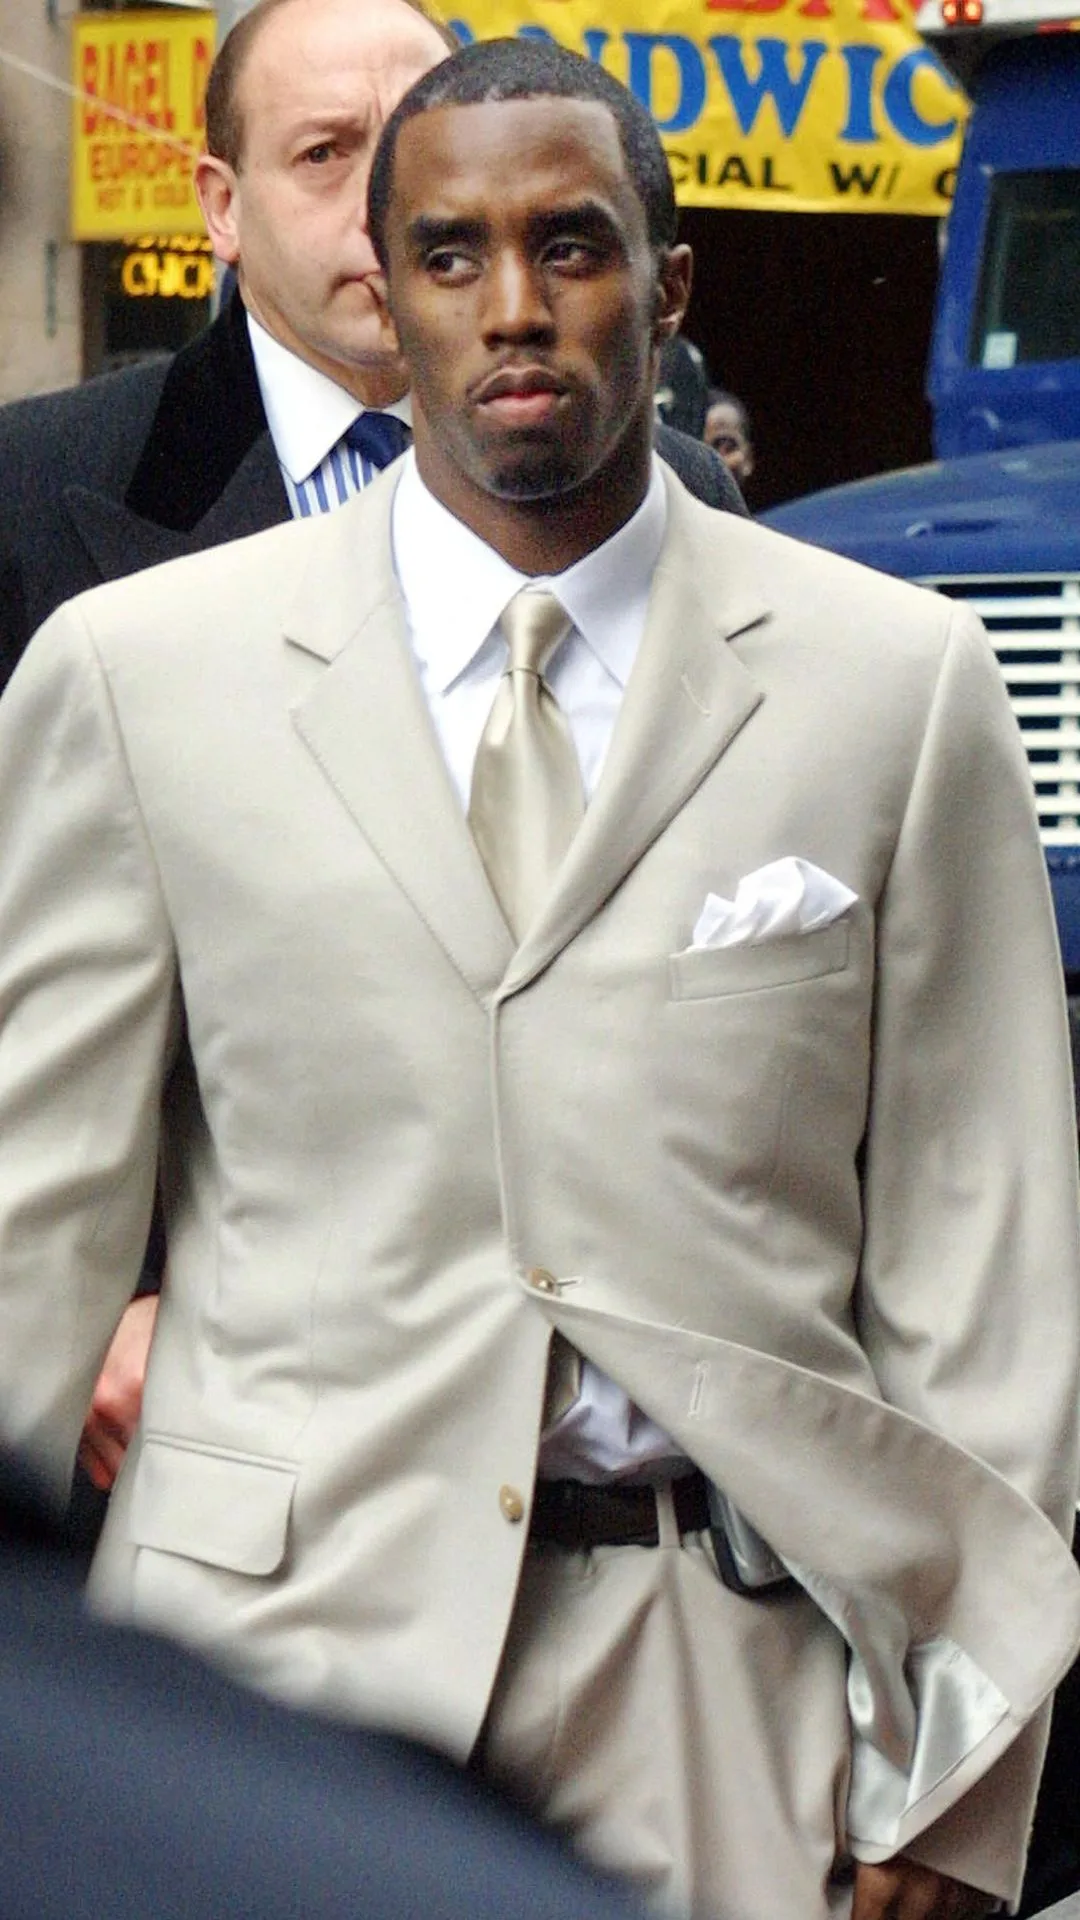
(378, 437)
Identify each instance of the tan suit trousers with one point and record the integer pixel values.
(667, 1727)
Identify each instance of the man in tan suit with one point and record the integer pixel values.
(259, 417)
(597, 1139)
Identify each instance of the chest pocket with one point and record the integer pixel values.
(704, 973)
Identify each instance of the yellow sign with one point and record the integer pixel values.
(137, 121)
(178, 268)
(799, 106)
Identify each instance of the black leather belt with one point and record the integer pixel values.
(566, 1513)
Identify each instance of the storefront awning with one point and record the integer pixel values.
(804, 106)
(137, 121)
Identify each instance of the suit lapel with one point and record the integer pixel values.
(252, 499)
(209, 418)
(117, 540)
(120, 541)
(207, 472)
(366, 723)
(687, 698)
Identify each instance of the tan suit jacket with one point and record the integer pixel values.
(813, 1203)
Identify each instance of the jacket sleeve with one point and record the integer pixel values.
(88, 1005)
(969, 1291)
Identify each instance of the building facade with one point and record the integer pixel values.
(74, 298)
(41, 333)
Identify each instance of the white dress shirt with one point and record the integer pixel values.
(308, 414)
(455, 588)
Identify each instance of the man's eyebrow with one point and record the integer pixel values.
(591, 218)
(427, 233)
(325, 126)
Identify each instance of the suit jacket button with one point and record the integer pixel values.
(512, 1504)
(542, 1280)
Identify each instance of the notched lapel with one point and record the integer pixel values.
(120, 541)
(253, 499)
(207, 472)
(687, 698)
(367, 724)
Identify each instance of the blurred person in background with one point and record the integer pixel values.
(727, 431)
(138, 1781)
(681, 386)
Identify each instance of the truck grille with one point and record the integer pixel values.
(1034, 627)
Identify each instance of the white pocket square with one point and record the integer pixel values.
(788, 896)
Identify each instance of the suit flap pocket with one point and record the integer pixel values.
(705, 971)
(225, 1509)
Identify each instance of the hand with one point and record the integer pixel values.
(117, 1401)
(901, 1889)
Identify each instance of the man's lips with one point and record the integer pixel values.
(516, 383)
(519, 395)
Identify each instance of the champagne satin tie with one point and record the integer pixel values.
(526, 805)
(527, 801)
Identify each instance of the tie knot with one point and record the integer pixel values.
(534, 623)
(378, 437)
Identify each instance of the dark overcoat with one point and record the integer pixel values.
(161, 459)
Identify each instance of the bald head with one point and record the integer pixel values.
(224, 113)
(298, 98)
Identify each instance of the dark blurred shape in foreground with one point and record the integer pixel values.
(135, 1780)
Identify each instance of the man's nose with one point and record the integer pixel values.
(516, 301)
(365, 260)
(361, 176)
(369, 259)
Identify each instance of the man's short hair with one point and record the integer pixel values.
(224, 121)
(495, 70)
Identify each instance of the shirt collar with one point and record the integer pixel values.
(306, 411)
(606, 593)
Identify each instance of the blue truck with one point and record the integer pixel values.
(995, 520)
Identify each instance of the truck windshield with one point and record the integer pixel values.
(1029, 292)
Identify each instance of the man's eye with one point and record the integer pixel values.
(570, 253)
(447, 263)
(320, 153)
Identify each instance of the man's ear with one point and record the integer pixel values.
(675, 274)
(216, 186)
